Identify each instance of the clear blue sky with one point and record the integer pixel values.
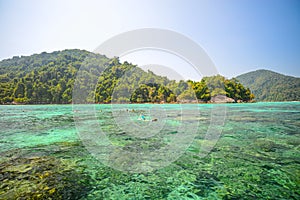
(238, 35)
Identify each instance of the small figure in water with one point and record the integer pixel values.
(142, 117)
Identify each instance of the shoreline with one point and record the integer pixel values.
(209, 103)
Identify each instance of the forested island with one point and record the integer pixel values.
(271, 86)
(48, 78)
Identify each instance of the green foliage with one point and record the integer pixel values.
(232, 88)
(41, 78)
(187, 95)
(201, 90)
(235, 90)
(49, 78)
(152, 93)
(216, 84)
(19, 91)
(271, 86)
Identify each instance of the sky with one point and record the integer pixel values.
(238, 35)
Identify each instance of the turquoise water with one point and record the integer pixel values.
(257, 156)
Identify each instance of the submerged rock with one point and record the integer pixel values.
(43, 177)
(267, 145)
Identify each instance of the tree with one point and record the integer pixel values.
(215, 84)
(201, 90)
(19, 91)
(50, 77)
(235, 90)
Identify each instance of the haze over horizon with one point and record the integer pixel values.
(239, 36)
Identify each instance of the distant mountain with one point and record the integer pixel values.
(271, 86)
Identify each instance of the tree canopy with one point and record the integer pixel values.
(271, 86)
(49, 78)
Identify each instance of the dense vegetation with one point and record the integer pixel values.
(49, 78)
(271, 86)
(231, 88)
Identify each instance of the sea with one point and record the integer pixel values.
(150, 151)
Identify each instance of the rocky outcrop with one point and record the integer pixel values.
(221, 99)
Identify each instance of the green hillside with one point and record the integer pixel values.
(49, 78)
(271, 86)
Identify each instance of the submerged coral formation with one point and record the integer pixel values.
(257, 157)
(42, 177)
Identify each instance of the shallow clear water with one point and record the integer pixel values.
(256, 157)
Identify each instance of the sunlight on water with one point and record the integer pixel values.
(256, 157)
